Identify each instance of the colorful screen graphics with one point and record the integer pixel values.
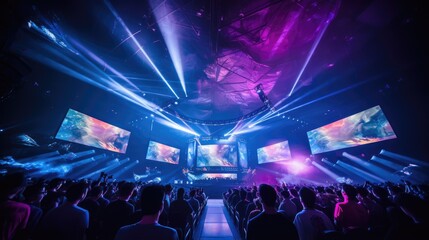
(219, 155)
(368, 126)
(242, 154)
(274, 153)
(162, 153)
(191, 153)
(83, 129)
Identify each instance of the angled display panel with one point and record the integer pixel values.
(83, 129)
(365, 127)
(274, 153)
(242, 154)
(191, 153)
(162, 153)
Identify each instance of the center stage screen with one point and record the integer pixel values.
(80, 128)
(365, 127)
(162, 153)
(274, 153)
(219, 155)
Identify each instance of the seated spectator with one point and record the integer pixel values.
(119, 212)
(287, 205)
(270, 224)
(195, 204)
(68, 221)
(33, 195)
(54, 197)
(418, 210)
(13, 214)
(93, 206)
(310, 222)
(180, 213)
(152, 202)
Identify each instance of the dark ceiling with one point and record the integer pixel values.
(315, 61)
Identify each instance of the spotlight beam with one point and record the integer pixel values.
(146, 56)
(168, 31)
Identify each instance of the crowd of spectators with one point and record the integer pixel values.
(342, 211)
(96, 209)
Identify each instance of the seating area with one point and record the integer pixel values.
(384, 206)
(108, 206)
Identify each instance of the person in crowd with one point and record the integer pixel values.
(287, 206)
(119, 212)
(67, 221)
(180, 213)
(54, 197)
(152, 202)
(378, 220)
(195, 204)
(93, 206)
(33, 195)
(14, 215)
(351, 217)
(418, 210)
(311, 223)
(103, 201)
(163, 218)
(270, 224)
(295, 198)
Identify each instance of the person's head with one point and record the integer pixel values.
(34, 193)
(126, 189)
(243, 194)
(307, 197)
(168, 189)
(285, 194)
(180, 193)
(268, 195)
(76, 192)
(192, 193)
(349, 191)
(152, 199)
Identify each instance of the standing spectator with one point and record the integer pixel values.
(351, 217)
(13, 215)
(68, 221)
(270, 224)
(152, 202)
(310, 222)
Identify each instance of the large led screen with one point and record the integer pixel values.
(274, 153)
(365, 127)
(191, 153)
(162, 153)
(242, 154)
(83, 129)
(220, 155)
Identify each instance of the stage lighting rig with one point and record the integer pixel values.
(259, 90)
